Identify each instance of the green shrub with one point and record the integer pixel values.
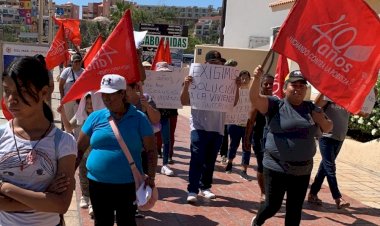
(369, 126)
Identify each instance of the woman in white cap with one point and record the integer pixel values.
(110, 177)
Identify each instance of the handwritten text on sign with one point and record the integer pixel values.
(239, 114)
(165, 88)
(213, 87)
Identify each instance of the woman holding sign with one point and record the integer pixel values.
(289, 147)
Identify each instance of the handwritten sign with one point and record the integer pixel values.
(213, 87)
(165, 87)
(240, 113)
(369, 102)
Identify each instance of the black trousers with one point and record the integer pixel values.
(108, 198)
(276, 184)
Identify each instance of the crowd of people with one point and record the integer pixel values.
(281, 132)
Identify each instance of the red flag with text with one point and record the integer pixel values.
(7, 114)
(160, 54)
(72, 30)
(338, 53)
(168, 56)
(282, 70)
(57, 53)
(117, 56)
(93, 50)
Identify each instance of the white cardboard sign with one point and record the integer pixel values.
(240, 113)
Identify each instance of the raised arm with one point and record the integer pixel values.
(259, 102)
(185, 98)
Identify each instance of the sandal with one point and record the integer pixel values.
(341, 203)
(313, 199)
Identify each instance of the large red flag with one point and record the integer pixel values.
(7, 114)
(336, 46)
(282, 70)
(117, 56)
(57, 53)
(72, 30)
(93, 50)
(168, 56)
(160, 54)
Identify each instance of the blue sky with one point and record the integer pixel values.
(200, 3)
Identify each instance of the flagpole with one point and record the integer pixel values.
(270, 52)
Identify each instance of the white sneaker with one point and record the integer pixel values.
(90, 211)
(167, 171)
(192, 197)
(208, 194)
(84, 202)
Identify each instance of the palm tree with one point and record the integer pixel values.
(118, 13)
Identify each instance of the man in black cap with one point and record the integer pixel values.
(207, 130)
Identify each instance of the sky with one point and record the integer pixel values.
(200, 3)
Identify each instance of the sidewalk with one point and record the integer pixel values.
(237, 199)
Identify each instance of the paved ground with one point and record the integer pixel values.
(237, 199)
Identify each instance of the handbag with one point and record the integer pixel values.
(146, 197)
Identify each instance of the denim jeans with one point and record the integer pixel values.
(276, 184)
(236, 135)
(329, 150)
(204, 149)
(108, 198)
(165, 139)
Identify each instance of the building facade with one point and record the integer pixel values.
(92, 10)
(208, 28)
(9, 14)
(70, 10)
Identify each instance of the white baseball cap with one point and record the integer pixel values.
(112, 83)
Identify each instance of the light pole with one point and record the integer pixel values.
(40, 20)
(50, 32)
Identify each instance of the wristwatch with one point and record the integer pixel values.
(318, 109)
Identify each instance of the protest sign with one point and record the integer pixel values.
(240, 113)
(165, 88)
(213, 87)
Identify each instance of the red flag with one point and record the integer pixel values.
(168, 56)
(160, 54)
(117, 56)
(93, 50)
(7, 114)
(58, 50)
(282, 70)
(72, 30)
(338, 53)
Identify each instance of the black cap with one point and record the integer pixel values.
(213, 55)
(295, 76)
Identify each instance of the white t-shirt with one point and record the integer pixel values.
(35, 175)
(67, 74)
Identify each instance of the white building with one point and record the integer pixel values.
(250, 23)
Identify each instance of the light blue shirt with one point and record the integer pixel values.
(107, 162)
(210, 121)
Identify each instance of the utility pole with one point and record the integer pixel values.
(40, 20)
(223, 23)
(50, 32)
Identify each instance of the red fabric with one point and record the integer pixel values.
(117, 56)
(58, 50)
(93, 50)
(72, 30)
(7, 114)
(160, 55)
(337, 52)
(282, 70)
(168, 56)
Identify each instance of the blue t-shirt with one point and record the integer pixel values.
(107, 162)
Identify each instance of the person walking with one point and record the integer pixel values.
(111, 183)
(206, 136)
(292, 125)
(330, 145)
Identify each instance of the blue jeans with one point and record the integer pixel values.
(276, 184)
(329, 150)
(204, 149)
(236, 135)
(165, 134)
